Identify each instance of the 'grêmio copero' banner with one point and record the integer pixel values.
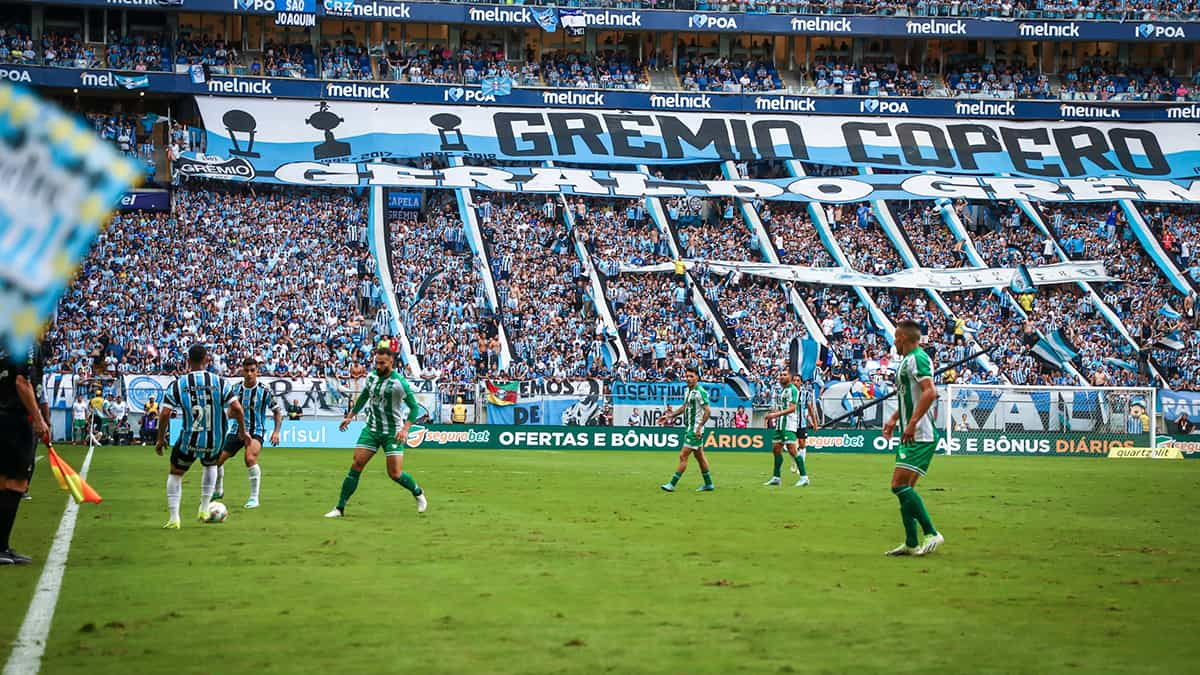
(269, 134)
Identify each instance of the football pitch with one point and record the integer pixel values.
(575, 562)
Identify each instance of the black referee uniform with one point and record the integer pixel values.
(17, 445)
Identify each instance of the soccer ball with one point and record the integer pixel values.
(217, 513)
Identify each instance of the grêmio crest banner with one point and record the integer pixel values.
(267, 135)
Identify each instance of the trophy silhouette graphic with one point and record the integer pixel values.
(240, 121)
(323, 120)
(447, 124)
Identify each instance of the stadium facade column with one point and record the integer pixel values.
(769, 254)
(883, 213)
(466, 211)
(381, 251)
(599, 299)
(1155, 250)
(816, 212)
(699, 302)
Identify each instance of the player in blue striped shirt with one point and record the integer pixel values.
(202, 400)
(256, 399)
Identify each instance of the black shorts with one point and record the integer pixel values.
(802, 434)
(17, 446)
(182, 458)
(234, 443)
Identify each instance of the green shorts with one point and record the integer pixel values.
(784, 437)
(916, 456)
(374, 441)
(691, 440)
(80, 425)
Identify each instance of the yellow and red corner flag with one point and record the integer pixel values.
(70, 481)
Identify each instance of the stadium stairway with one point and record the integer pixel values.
(767, 250)
(816, 213)
(598, 292)
(466, 210)
(378, 243)
(883, 213)
(960, 234)
(699, 302)
(1105, 310)
(1154, 249)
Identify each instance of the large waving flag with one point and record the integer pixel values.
(60, 182)
(70, 481)
(503, 394)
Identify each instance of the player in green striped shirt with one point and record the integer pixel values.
(916, 396)
(790, 407)
(385, 397)
(695, 413)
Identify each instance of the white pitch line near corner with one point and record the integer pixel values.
(30, 645)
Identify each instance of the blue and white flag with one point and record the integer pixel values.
(546, 18)
(1122, 364)
(196, 73)
(501, 85)
(1170, 312)
(59, 183)
(132, 81)
(1172, 340)
(1022, 281)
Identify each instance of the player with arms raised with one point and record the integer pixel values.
(790, 407)
(695, 413)
(256, 399)
(385, 396)
(918, 440)
(202, 400)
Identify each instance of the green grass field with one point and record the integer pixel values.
(540, 562)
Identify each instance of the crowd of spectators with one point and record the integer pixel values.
(268, 273)
(1146, 10)
(833, 77)
(67, 49)
(440, 295)
(710, 73)
(218, 56)
(546, 306)
(607, 69)
(345, 60)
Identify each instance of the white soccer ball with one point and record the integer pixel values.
(217, 513)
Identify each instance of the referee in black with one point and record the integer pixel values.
(21, 423)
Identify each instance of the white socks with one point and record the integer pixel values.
(174, 493)
(220, 489)
(255, 474)
(208, 481)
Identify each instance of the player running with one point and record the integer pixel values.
(695, 413)
(202, 400)
(256, 399)
(918, 440)
(791, 431)
(385, 395)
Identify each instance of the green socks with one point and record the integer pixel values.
(406, 481)
(916, 509)
(707, 477)
(778, 464)
(675, 477)
(912, 512)
(800, 464)
(349, 485)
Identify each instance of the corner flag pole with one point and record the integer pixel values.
(881, 399)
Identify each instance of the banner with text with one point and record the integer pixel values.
(637, 185)
(530, 437)
(317, 397)
(572, 403)
(267, 135)
(1176, 404)
(639, 404)
(937, 279)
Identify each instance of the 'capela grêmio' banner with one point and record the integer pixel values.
(268, 134)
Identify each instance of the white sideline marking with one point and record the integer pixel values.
(26, 657)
